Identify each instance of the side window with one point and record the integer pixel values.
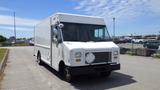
(98, 33)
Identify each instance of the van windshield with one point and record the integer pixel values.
(85, 32)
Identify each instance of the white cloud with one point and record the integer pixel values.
(121, 9)
(11, 28)
(5, 9)
(24, 26)
(8, 20)
(154, 6)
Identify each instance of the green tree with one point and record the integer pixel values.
(2, 38)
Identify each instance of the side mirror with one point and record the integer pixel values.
(55, 32)
(60, 25)
(56, 36)
(59, 39)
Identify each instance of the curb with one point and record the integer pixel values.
(3, 63)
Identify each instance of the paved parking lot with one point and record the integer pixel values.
(23, 73)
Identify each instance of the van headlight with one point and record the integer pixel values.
(115, 52)
(78, 55)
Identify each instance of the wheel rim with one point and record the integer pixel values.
(67, 74)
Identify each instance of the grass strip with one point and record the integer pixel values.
(2, 53)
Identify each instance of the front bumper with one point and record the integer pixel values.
(93, 68)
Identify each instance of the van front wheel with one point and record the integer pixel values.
(67, 74)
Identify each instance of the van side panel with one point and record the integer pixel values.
(43, 40)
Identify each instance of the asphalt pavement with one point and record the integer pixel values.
(23, 73)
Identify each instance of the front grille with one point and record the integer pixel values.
(102, 57)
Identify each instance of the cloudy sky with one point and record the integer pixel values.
(132, 16)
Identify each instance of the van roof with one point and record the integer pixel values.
(76, 18)
(60, 13)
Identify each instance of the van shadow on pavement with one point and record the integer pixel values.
(95, 82)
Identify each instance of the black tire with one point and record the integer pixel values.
(39, 61)
(61, 69)
(105, 74)
(67, 74)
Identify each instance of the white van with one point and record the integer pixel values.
(76, 44)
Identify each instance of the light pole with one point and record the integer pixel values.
(14, 14)
(113, 28)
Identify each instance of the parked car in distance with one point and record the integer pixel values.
(139, 41)
(123, 40)
(153, 44)
(31, 42)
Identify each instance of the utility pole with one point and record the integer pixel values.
(132, 43)
(114, 29)
(14, 14)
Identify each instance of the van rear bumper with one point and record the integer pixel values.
(93, 69)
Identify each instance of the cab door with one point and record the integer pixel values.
(56, 47)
